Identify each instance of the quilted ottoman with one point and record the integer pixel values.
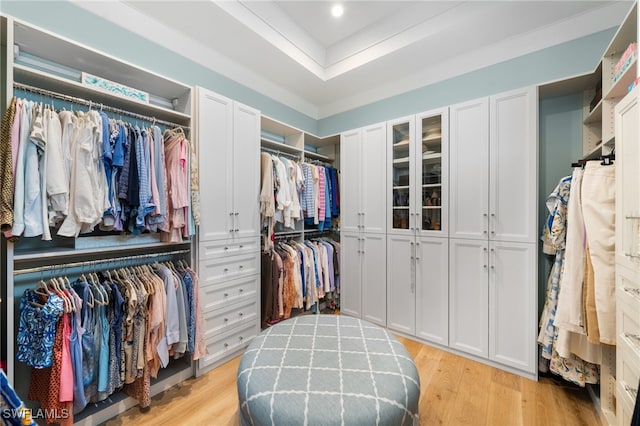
(329, 370)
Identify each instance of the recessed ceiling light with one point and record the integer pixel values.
(337, 10)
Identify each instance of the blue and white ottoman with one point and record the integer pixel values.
(327, 369)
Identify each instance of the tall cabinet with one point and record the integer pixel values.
(493, 245)
(228, 138)
(417, 200)
(363, 223)
(627, 255)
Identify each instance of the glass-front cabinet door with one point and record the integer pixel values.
(401, 140)
(431, 174)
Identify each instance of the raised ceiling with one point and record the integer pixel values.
(297, 53)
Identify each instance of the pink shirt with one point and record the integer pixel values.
(66, 366)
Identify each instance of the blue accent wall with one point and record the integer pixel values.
(560, 144)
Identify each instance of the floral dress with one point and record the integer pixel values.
(572, 369)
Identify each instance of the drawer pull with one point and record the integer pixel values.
(241, 290)
(631, 390)
(226, 345)
(226, 248)
(241, 338)
(241, 314)
(226, 270)
(235, 230)
(241, 266)
(632, 291)
(241, 246)
(226, 295)
(226, 320)
(230, 230)
(632, 336)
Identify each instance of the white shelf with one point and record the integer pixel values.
(620, 87)
(401, 187)
(431, 185)
(316, 156)
(36, 78)
(403, 160)
(595, 116)
(432, 139)
(597, 151)
(279, 146)
(401, 146)
(431, 207)
(401, 207)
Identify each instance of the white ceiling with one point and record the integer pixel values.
(297, 53)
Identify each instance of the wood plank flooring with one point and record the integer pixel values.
(454, 391)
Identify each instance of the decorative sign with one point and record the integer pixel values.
(114, 88)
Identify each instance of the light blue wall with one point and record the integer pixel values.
(64, 18)
(561, 61)
(560, 144)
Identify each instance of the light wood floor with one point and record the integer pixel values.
(454, 391)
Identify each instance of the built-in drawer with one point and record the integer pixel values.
(227, 343)
(219, 248)
(628, 309)
(624, 407)
(213, 271)
(627, 370)
(242, 290)
(220, 320)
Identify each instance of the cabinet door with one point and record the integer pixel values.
(350, 180)
(373, 178)
(432, 173)
(400, 198)
(627, 185)
(374, 278)
(401, 292)
(432, 289)
(214, 132)
(469, 296)
(468, 169)
(351, 274)
(246, 171)
(513, 304)
(513, 166)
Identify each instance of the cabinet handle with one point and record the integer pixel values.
(226, 295)
(240, 246)
(225, 270)
(241, 290)
(635, 292)
(632, 336)
(235, 230)
(231, 214)
(493, 260)
(236, 214)
(412, 251)
(241, 314)
(493, 223)
(417, 251)
(226, 345)
(226, 320)
(226, 248)
(486, 258)
(230, 230)
(241, 338)
(241, 266)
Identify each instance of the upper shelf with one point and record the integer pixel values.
(32, 77)
(621, 86)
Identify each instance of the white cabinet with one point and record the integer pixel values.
(493, 245)
(228, 135)
(363, 223)
(469, 169)
(513, 165)
(627, 143)
(363, 276)
(493, 167)
(363, 183)
(469, 296)
(401, 286)
(512, 313)
(432, 289)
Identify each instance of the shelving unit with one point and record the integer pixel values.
(280, 139)
(51, 67)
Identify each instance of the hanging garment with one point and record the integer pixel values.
(6, 167)
(598, 205)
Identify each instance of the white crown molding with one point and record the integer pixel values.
(559, 32)
(157, 32)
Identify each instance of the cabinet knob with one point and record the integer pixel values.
(226, 295)
(230, 230)
(241, 338)
(226, 345)
(226, 248)
(493, 267)
(226, 319)
(236, 214)
(241, 266)
(241, 290)
(231, 214)
(225, 270)
(240, 246)
(484, 215)
(236, 230)
(241, 314)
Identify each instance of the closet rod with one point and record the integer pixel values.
(278, 153)
(85, 102)
(97, 262)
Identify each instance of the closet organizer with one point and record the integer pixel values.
(99, 215)
(299, 215)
